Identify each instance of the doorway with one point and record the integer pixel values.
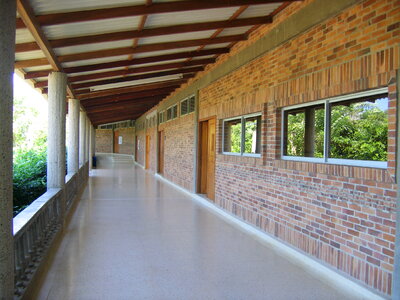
(147, 162)
(136, 148)
(206, 182)
(161, 139)
(116, 141)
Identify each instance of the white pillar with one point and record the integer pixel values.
(91, 146)
(7, 57)
(82, 133)
(87, 139)
(56, 130)
(73, 138)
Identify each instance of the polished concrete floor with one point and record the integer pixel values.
(133, 236)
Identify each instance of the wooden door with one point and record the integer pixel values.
(161, 152)
(211, 160)
(116, 145)
(147, 162)
(207, 159)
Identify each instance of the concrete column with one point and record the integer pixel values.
(82, 133)
(56, 130)
(73, 138)
(91, 146)
(7, 49)
(87, 139)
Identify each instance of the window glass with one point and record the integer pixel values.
(232, 136)
(252, 139)
(304, 131)
(184, 107)
(359, 129)
(191, 104)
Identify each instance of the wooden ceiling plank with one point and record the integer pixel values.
(135, 61)
(140, 10)
(28, 17)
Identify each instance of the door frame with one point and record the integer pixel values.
(161, 142)
(199, 152)
(147, 152)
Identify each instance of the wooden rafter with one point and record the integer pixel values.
(28, 17)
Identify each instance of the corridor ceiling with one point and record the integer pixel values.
(122, 57)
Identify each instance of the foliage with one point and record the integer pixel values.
(29, 181)
(30, 140)
(357, 131)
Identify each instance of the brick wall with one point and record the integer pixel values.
(343, 216)
(128, 140)
(179, 150)
(104, 140)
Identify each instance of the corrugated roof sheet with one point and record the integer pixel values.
(91, 28)
(94, 61)
(29, 55)
(162, 52)
(23, 36)
(217, 46)
(176, 37)
(92, 47)
(205, 15)
(46, 7)
(234, 31)
(259, 10)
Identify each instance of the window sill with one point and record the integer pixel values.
(242, 155)
(335, 161)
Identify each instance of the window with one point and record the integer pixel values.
(188, 105)
(351, 129)
(172, 112)
(161, 117)
(242, 135)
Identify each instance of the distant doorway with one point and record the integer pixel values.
(161, 139)
(147, 160)
(206, 178)
(116, 139)
(136, 148)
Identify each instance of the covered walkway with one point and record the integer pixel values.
(133, 236)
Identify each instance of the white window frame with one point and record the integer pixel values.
(171, 108)
(242, 141)
(326, 159)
